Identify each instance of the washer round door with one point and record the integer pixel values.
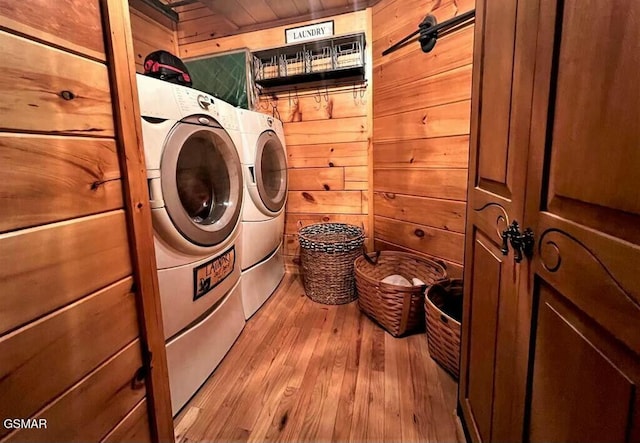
(271, 171)
(201, 178)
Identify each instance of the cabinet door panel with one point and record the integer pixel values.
(595, 378)
(483, 326)
(497, 71)
(583, 204)
(594, 118)
(501, 105)
(500, 117)
(567, 317)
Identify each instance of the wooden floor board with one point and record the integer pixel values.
(306, 372)
(377, 415)
(305, 414)
(408, 420)
(392, 423)
(363, 394)
(344, 410)
(330, 412)
(423, 414)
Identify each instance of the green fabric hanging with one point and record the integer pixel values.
(224, 76)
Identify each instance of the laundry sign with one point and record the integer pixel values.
(309, 32)
(208, 275)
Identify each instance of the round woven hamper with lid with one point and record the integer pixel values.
(327, 252)
(398, 309)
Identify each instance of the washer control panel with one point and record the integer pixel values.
(192, 102)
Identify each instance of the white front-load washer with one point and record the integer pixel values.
(196, 194)
(264, 164)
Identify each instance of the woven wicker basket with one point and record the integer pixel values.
(327, 252)
(443, 303)
(398, 309)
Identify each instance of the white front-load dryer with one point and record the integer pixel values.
(196, 194)
(264, 164)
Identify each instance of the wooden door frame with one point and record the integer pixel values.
(121, 64)
(470, 430)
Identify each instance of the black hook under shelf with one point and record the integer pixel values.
(430, 31)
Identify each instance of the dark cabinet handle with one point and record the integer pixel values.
(505, 242)
(521, 242)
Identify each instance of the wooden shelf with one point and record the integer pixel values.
(356, 74)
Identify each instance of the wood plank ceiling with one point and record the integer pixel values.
(230, 17)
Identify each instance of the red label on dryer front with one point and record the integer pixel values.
(209, 275)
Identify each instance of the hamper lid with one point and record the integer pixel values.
(331, 237)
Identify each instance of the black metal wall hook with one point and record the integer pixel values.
(430, 31)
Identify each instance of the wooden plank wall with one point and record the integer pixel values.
(69, 333)
(150, 35)
(328, 133)
(421, 108)
(198, 23)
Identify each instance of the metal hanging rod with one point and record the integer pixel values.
(312, 88)
(429, 31)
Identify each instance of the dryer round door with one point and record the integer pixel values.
(201, 179)
(271, 171)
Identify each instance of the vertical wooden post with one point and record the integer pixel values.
(369, 95)
(121, 62)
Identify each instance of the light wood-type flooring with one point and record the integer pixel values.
(308, 372)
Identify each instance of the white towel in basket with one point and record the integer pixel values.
(396, 279)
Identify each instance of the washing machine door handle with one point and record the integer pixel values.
(156, 199)
(201, 120)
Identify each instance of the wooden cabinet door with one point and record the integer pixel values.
(500, 118)
(551, 346)
(583, 200)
